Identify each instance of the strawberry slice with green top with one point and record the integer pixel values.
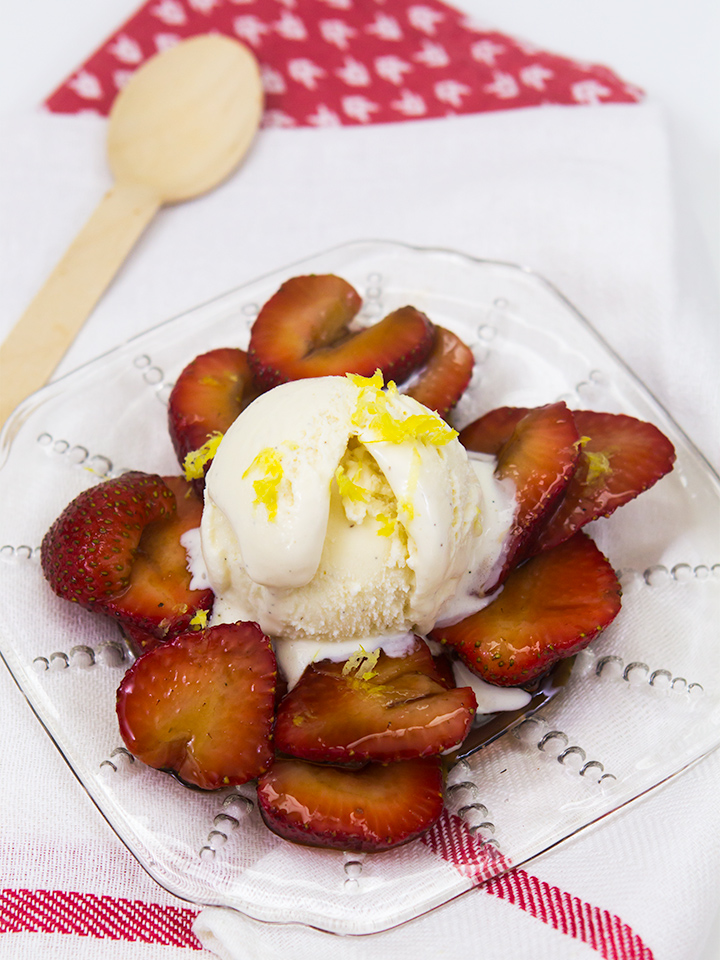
(88, 553)
(373, 707)
(539, 458)
(369, 810)
(550, 607)
(304, 331)
(201, 706)
(207, 398)
(446, 373)
(620, 457)
(159, 602)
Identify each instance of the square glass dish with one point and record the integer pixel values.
(641, 704)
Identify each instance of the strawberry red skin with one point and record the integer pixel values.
(158, 602)
(637, 454)
(551, 607)
(489, 433)
(207, 398)
(201, 706)
(446, 373)
(401, 710)
(539, 458)
(88, 553)
(302, 331)
(369, 810)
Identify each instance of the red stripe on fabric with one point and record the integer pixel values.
(605, 932)
(87, 915)
(81, 914)
(450, 839)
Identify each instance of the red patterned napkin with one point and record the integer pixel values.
(335, 62)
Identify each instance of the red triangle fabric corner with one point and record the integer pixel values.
(351, 62)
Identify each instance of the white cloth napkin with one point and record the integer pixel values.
(584, 196)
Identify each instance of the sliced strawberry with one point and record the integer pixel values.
(375, 808)
(490, 432)
(158, 599)
(207, 397)
(201, 706)
(539, 458)
(549, 608)
(88, 553)
(446, 373)
(379, 708)
(140, 641)
(302, 331)
(444, 670)
(620, 457)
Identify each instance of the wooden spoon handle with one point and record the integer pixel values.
(39, 339)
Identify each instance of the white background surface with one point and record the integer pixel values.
(668, 49)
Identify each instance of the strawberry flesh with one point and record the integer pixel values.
(620, 457)
(446, 373)
(384, 709)
(303, 331)
(201, 706)
(489, 433)
(88, 553)
(551, 607)
(539, 458)
(158, 601)
(375, 808)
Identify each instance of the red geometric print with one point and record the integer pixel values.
(351, 62)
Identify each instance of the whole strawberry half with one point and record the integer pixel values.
(158, 602)
(375, 808)
(88, 553)
(207, 398)
(446, 373)
(202, 706)
(303, 331)
(550, 607)
(379, 708)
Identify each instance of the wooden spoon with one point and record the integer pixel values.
(179, 127)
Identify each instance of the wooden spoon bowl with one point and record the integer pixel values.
(179, 128)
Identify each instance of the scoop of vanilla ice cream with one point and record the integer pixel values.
(335, 509)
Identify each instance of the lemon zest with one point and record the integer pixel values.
(266, 487)
(359, 666)
(195, 462)
(598, 465)
(199, 621)
(372, 412)
(373, 382)
(387, 525)
(348, 488)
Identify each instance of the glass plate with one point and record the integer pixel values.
(641, 704)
